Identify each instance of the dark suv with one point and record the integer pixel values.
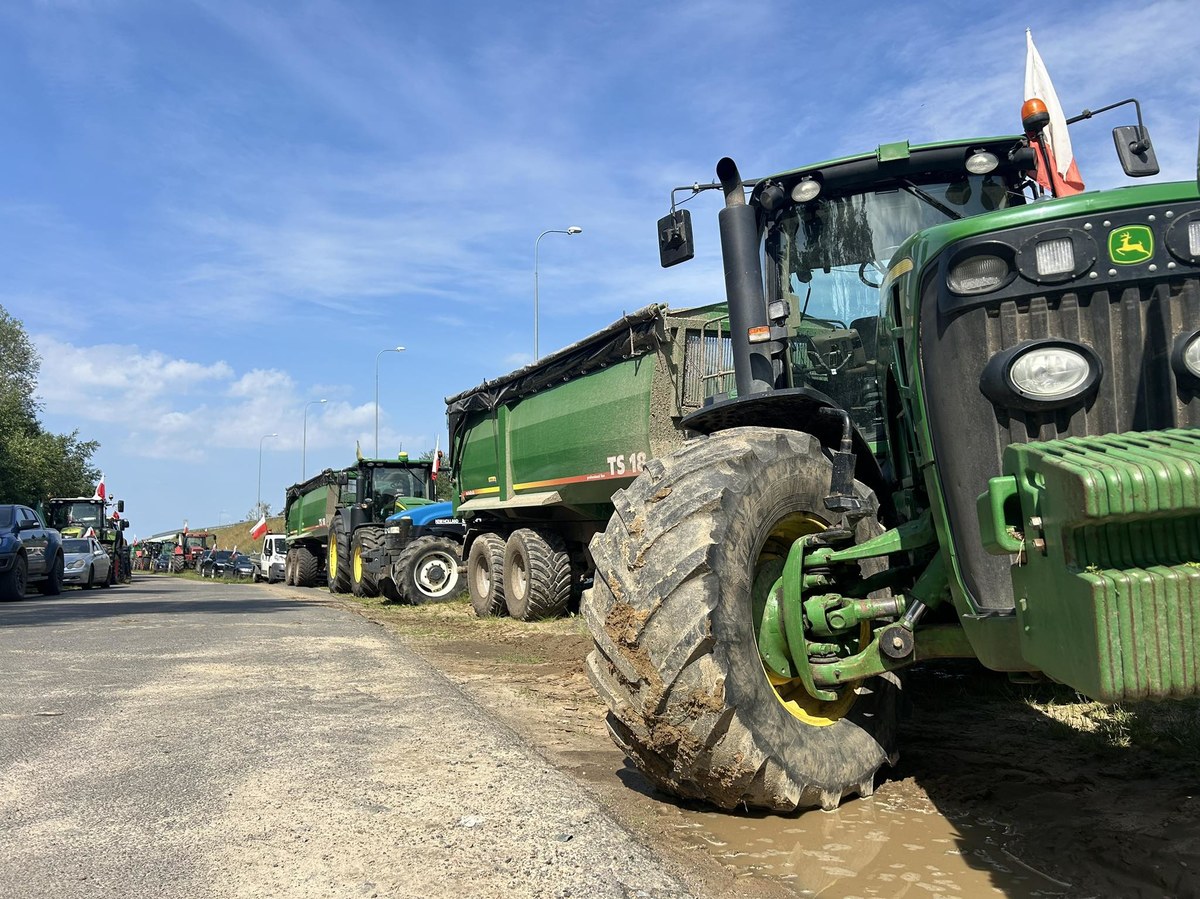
(29, 552)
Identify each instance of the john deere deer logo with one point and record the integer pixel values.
(1131, 244)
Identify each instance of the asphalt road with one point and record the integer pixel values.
(186, 739)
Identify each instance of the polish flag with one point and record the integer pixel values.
(437, 458)
(1062, 179)
(100, 491)
(259, 529)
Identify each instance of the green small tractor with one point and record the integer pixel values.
(339, 529)
(965, 425)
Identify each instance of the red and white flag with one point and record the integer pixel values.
(1062, 179)
(100, 492)
(437, 458)
(259, 529)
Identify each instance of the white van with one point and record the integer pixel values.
(268, 564)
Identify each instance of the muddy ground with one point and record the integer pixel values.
(1001, 789)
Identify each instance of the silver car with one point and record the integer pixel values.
(87, 562)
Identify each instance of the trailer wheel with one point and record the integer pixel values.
(307, 567)
(14, 581)
(366, 541)
(676, 656)
(485, 575)
(337, 567)
(427, 570)
(289, 568)
(537, 574)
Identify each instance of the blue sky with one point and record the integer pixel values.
(213, 211)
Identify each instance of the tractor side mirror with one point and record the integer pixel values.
(120, 505)
(675, 244)
(1135, 151)
(124, 524)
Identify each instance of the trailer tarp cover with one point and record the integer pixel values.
(635, 334)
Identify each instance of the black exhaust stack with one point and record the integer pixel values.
(753, 370)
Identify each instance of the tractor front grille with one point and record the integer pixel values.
(1131, 326)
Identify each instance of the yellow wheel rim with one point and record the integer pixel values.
(333, 559)
(356, 564)
(791, 692)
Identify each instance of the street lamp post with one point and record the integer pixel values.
(574, 229)
(393, 349)
(260, 443)
(304, 437)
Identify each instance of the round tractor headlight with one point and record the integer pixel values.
(1191, 356)
(1185, 358)
(1041, 374)
(806, 189)
(978, 274)
(981, 162)
(1050, 373)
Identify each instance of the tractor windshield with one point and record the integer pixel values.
(827, 258)
(395, 482)
(72, 515)
(830, 254)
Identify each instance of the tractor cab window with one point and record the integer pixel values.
(828, 257)
(84, 513)
(402, 482)
(81, 515)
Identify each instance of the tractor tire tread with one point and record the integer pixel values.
(674, 656)
(549, 575)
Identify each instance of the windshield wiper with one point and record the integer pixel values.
(936, 204)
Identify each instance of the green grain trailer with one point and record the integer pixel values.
(966, 425)
(335, 528)
(538, 453)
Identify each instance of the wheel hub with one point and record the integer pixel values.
(782, 648)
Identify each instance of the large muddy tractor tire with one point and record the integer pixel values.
(14, 581)
(676, 656)
(52, 585)
(176, 564)
(427, 570)
(485, 575)
(367, 541)
(289, 568)
(337, 562)
(308, 566)
(537, 574)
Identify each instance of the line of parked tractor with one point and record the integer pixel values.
(944, 412)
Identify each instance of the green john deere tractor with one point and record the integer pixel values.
(966, 425)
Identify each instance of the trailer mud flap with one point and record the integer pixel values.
(1104, 533)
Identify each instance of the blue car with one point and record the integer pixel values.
(30, 553)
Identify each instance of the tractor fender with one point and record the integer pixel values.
(796, 409)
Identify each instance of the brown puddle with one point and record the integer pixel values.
(886, 846)
(894, 844)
